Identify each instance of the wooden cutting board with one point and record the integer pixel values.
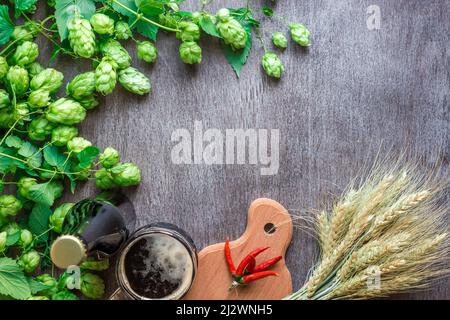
(268, 224)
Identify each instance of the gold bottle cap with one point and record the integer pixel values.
(67, 251)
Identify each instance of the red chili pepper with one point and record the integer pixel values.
(255, 276)
(230, 262)
(266, 264)
(243, 265)
(250, 267)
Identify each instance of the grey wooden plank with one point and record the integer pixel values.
(352, 91)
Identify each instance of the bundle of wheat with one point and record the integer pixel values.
(384, 236)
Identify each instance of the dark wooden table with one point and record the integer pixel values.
(353, 91)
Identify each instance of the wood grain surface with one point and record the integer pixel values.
(353, 91)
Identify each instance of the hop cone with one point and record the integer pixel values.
(122, 30)
(6, 118)
(134, 81)
(115, 51)
(25, 53)
(109, 158)
(34, 68)
(65, 111)
(3, 67)
(63, 134)
(40, 128)
(48, 79)
(102, 24)
(126, 174)
(39, 98)
(81, 37)
(89, 102)
(233, 33)
(105, 76)
(189, 31)
(190, 52)
(25, 32)
(83, 85)
(4, 99)
(272, 65)
(147, 51)
(279, 40)
(300, 34)
(18, 80)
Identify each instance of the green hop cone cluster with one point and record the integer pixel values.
(39, 98)
(105, 76)
(56, 220)
(190, 52)
(146, 51)
(188, 31)
(4, 99)
(40, 128)
(92, 286)
(48, 281)
(3, 67)
(34, 68)
(18, 79)
(65, 111)
(26, 238)
(61, 135)
(272, 65)
(82, 86)
(81, 37)
(109, 158)
(279, 40)
(102, 24)
(78, 144)
(25, 53)
(122, 31)
(232, 32)
(300, 34)
(29, 261)
(95, 265)
(48, 79)
(65, 295)
(24, 185)
(9, 206)
(113, 49)
(134, 81)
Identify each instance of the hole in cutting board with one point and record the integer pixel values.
(269, 228)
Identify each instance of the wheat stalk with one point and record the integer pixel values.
(395, 222)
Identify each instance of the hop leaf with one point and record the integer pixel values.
(134, 81)
(6, 25)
